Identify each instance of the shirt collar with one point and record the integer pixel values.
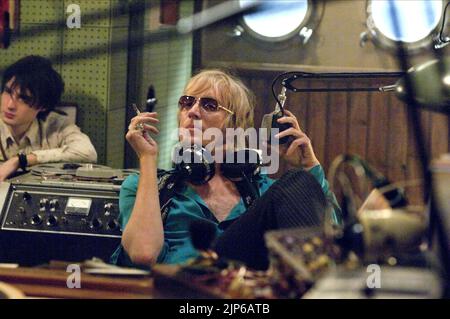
(32, 134)
(6, 136)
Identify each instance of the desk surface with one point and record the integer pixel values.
(398, 282)
(165, 282)
(52, 283)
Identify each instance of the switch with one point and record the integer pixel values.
(43, 203)
(26, 197)
(54, 204)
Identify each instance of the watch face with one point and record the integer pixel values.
(23, 162)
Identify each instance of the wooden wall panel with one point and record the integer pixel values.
(298, 103)
(439, 134)
(358, 120)
(397, 158)
(378, 132)
(413, 171)
(371, 124)
(336, 129)
(261, 99)
(317, 120)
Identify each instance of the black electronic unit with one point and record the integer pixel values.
(60, 212)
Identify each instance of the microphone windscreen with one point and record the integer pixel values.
(151, 92)
(396, 196)
(202, 234)
(151, 99)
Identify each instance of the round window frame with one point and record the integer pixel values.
(385, 42)
(312, 18)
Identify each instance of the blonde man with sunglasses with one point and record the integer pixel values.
(217, 100)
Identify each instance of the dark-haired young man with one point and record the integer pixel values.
(30, 131)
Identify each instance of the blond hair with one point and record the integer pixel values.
(231, 93)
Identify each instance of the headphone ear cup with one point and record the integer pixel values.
(246, 161)
(195, 164)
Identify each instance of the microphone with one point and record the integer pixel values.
(390, 88)
(431, 84)
(395, 196)
(151, 100)
(202, 234)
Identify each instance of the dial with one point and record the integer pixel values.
(36, 219)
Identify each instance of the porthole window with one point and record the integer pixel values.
(418, 20)
(276, 20)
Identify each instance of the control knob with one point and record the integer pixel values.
(43, 203)
(113, 224)
(36, 219)
(96, 223)
(52, 221)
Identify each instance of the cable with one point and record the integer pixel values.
(290, 77)
(273, 88)
(443, 25)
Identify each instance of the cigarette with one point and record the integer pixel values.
(135, 108)
(140, 125)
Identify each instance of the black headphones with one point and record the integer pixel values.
(194, 164)
(197, 165)
(245, 163)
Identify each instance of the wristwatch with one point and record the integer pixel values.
(23, 162)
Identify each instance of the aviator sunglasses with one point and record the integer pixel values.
(206, 103)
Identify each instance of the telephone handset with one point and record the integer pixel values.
(269, 121)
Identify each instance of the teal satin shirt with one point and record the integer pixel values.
(188, 206)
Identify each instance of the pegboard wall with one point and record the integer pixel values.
(96, 83)
(167, 66)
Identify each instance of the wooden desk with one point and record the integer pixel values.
(51, 283)
(163, 283)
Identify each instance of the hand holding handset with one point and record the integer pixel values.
(270, 120)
